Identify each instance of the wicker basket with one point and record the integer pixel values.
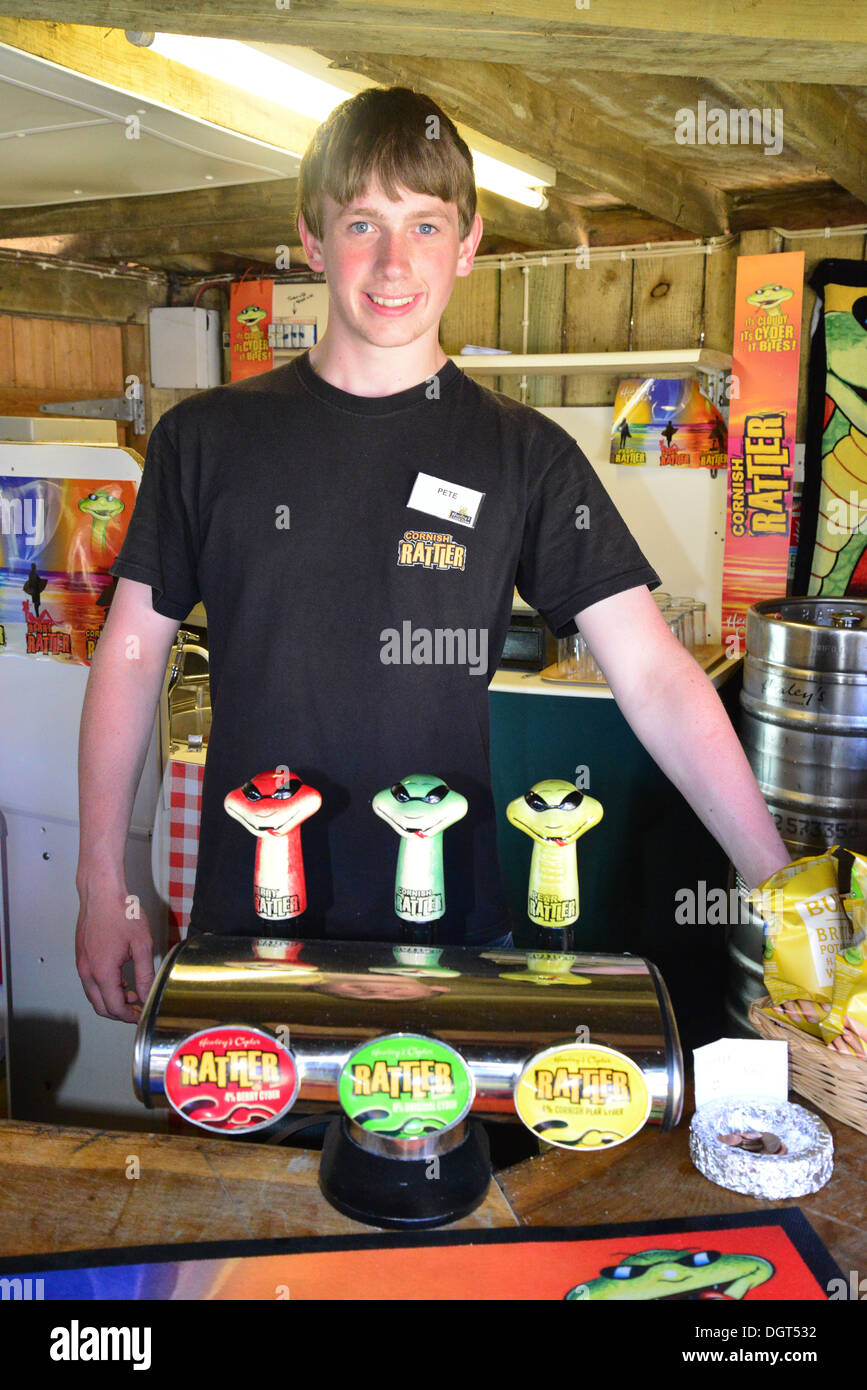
(831, 1080)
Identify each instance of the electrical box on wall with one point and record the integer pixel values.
(185, 347)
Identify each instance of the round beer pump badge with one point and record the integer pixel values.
(231, 1079)
(580, 1096)
(406, 1086)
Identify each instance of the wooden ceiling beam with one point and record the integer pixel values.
(818, 122)
(214, 219)
(511, 108)
(161, 227)
(693, 38)
(802, 207)
(158, 212)
(560, 224)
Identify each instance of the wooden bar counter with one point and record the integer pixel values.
(68, 1189)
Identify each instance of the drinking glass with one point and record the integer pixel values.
(589, 670)
(685, 606)
(699, 620)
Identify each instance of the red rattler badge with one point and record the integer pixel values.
(231, 1079)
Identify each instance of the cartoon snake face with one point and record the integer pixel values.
(252, 316)
(101, 505)
(769, 297)
(272, 803)
(420, 805)
(677, 1274)
(554, 812)
(846, 349)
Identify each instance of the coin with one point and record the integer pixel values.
(753, 1141)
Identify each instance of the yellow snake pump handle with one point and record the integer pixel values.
(554, 813)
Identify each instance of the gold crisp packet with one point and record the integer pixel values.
(844, 1027)
(805, 927)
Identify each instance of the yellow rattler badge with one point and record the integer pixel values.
(580, 1096)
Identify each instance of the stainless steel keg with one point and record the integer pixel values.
(804, 718)
(496, 1008)
(804, 730)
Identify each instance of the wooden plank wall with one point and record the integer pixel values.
(55, 359)
(613, 305)
(68, 332)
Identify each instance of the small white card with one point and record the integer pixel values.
(450, 501)
(741, 1067)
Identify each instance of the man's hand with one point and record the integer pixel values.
(105, 939)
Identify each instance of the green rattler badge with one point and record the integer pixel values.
(405, 1086)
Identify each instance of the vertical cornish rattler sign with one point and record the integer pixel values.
(767, 338)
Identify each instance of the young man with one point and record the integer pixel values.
(415, 499)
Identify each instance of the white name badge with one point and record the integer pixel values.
(447, 500)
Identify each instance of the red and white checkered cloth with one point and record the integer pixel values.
(185, 810)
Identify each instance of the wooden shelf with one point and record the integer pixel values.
(594, 363)
(581, 363)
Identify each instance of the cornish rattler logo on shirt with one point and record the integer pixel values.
(433, 550)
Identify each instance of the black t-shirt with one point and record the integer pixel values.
(351, 638)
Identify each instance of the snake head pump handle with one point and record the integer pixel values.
(272, 806)
(554, 813)
(419, 808)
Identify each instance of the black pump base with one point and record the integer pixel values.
(554, 939)
(403, 1194)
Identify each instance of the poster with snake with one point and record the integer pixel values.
(832, 549)
(58, 538)
(250, 313)
(749, 1257)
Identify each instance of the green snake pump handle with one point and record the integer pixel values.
(419, 808)
(554, 813)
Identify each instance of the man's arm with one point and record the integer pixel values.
(674, 710)
(123, 691)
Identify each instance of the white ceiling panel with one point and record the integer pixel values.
(66, 138)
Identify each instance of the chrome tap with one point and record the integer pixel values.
(184, 642)
(177, 659)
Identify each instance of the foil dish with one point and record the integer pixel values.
(806, 1165)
